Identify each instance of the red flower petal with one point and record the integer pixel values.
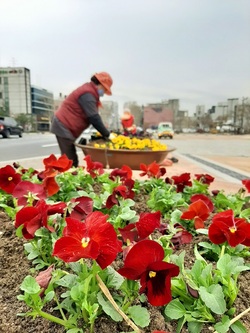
(95, 238)
(24, 187)
(51, 185)
(9, 179)
(158, 287)
(225, 227)
(198, 223)
(246, 182)
(204, 198)
(129, 233)
(83, 208)
(61, 164)
(147, 223)
(197, 209)
(140, 256)
(70, 249)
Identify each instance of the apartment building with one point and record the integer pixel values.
(15, 91)
(42, 107)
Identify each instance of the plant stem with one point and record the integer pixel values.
(54, 319)
(116, 307)
(222, 250)
(60, 309)
(84, 315)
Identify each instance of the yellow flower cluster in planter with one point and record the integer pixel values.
(134, 143)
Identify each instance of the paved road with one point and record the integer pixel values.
(210, 144)
(29, 146)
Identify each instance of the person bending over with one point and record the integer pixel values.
(80, 110)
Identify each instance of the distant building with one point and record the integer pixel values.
(42, 107)
(15, 91)
(200, 111)
(110, 115)
(158, 112)
(224, 112)
(58, 101)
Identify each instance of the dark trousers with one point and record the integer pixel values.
(68, 148)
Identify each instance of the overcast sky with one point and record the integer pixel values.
(197, 51)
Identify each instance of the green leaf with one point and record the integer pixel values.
(67, 280)
(238, 327)
(223, 326)
(231, 265)
(49, 296)
(213, 297)
(108, 308)
(197, 254)
(29, 285)
(202, 231)
(74, 330)
(115, 280)
(197, 269)
(19, 231)
(76, 267)
(175, 309)
(194, 327)
(245, 213)
(139, 315)
(127, 214)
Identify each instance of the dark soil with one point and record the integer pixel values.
(14, 267)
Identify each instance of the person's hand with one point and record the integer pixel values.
(112, 136)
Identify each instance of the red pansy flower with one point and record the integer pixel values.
(197, 211)
(124, 191)
(226, 227)
(82, 206)
(152, 170)
(204, 198)
(26, 189)
(33, 218)
(95, 238)
(93, 168)
(124, 173)
(181, 237)
(246, 182)
(61, 164)
(9, 178)
(145, 262)
(129, 233)
(180, 181)
(49, 182)
(204, 178)
(147, 223)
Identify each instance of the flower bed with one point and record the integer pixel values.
(105, 248)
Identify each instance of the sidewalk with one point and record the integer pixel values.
(185, 164)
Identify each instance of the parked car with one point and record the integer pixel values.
(9, 126)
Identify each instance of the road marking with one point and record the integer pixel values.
(50, 145)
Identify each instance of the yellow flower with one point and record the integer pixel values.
(134, 143)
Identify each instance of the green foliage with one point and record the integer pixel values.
(204, 291)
